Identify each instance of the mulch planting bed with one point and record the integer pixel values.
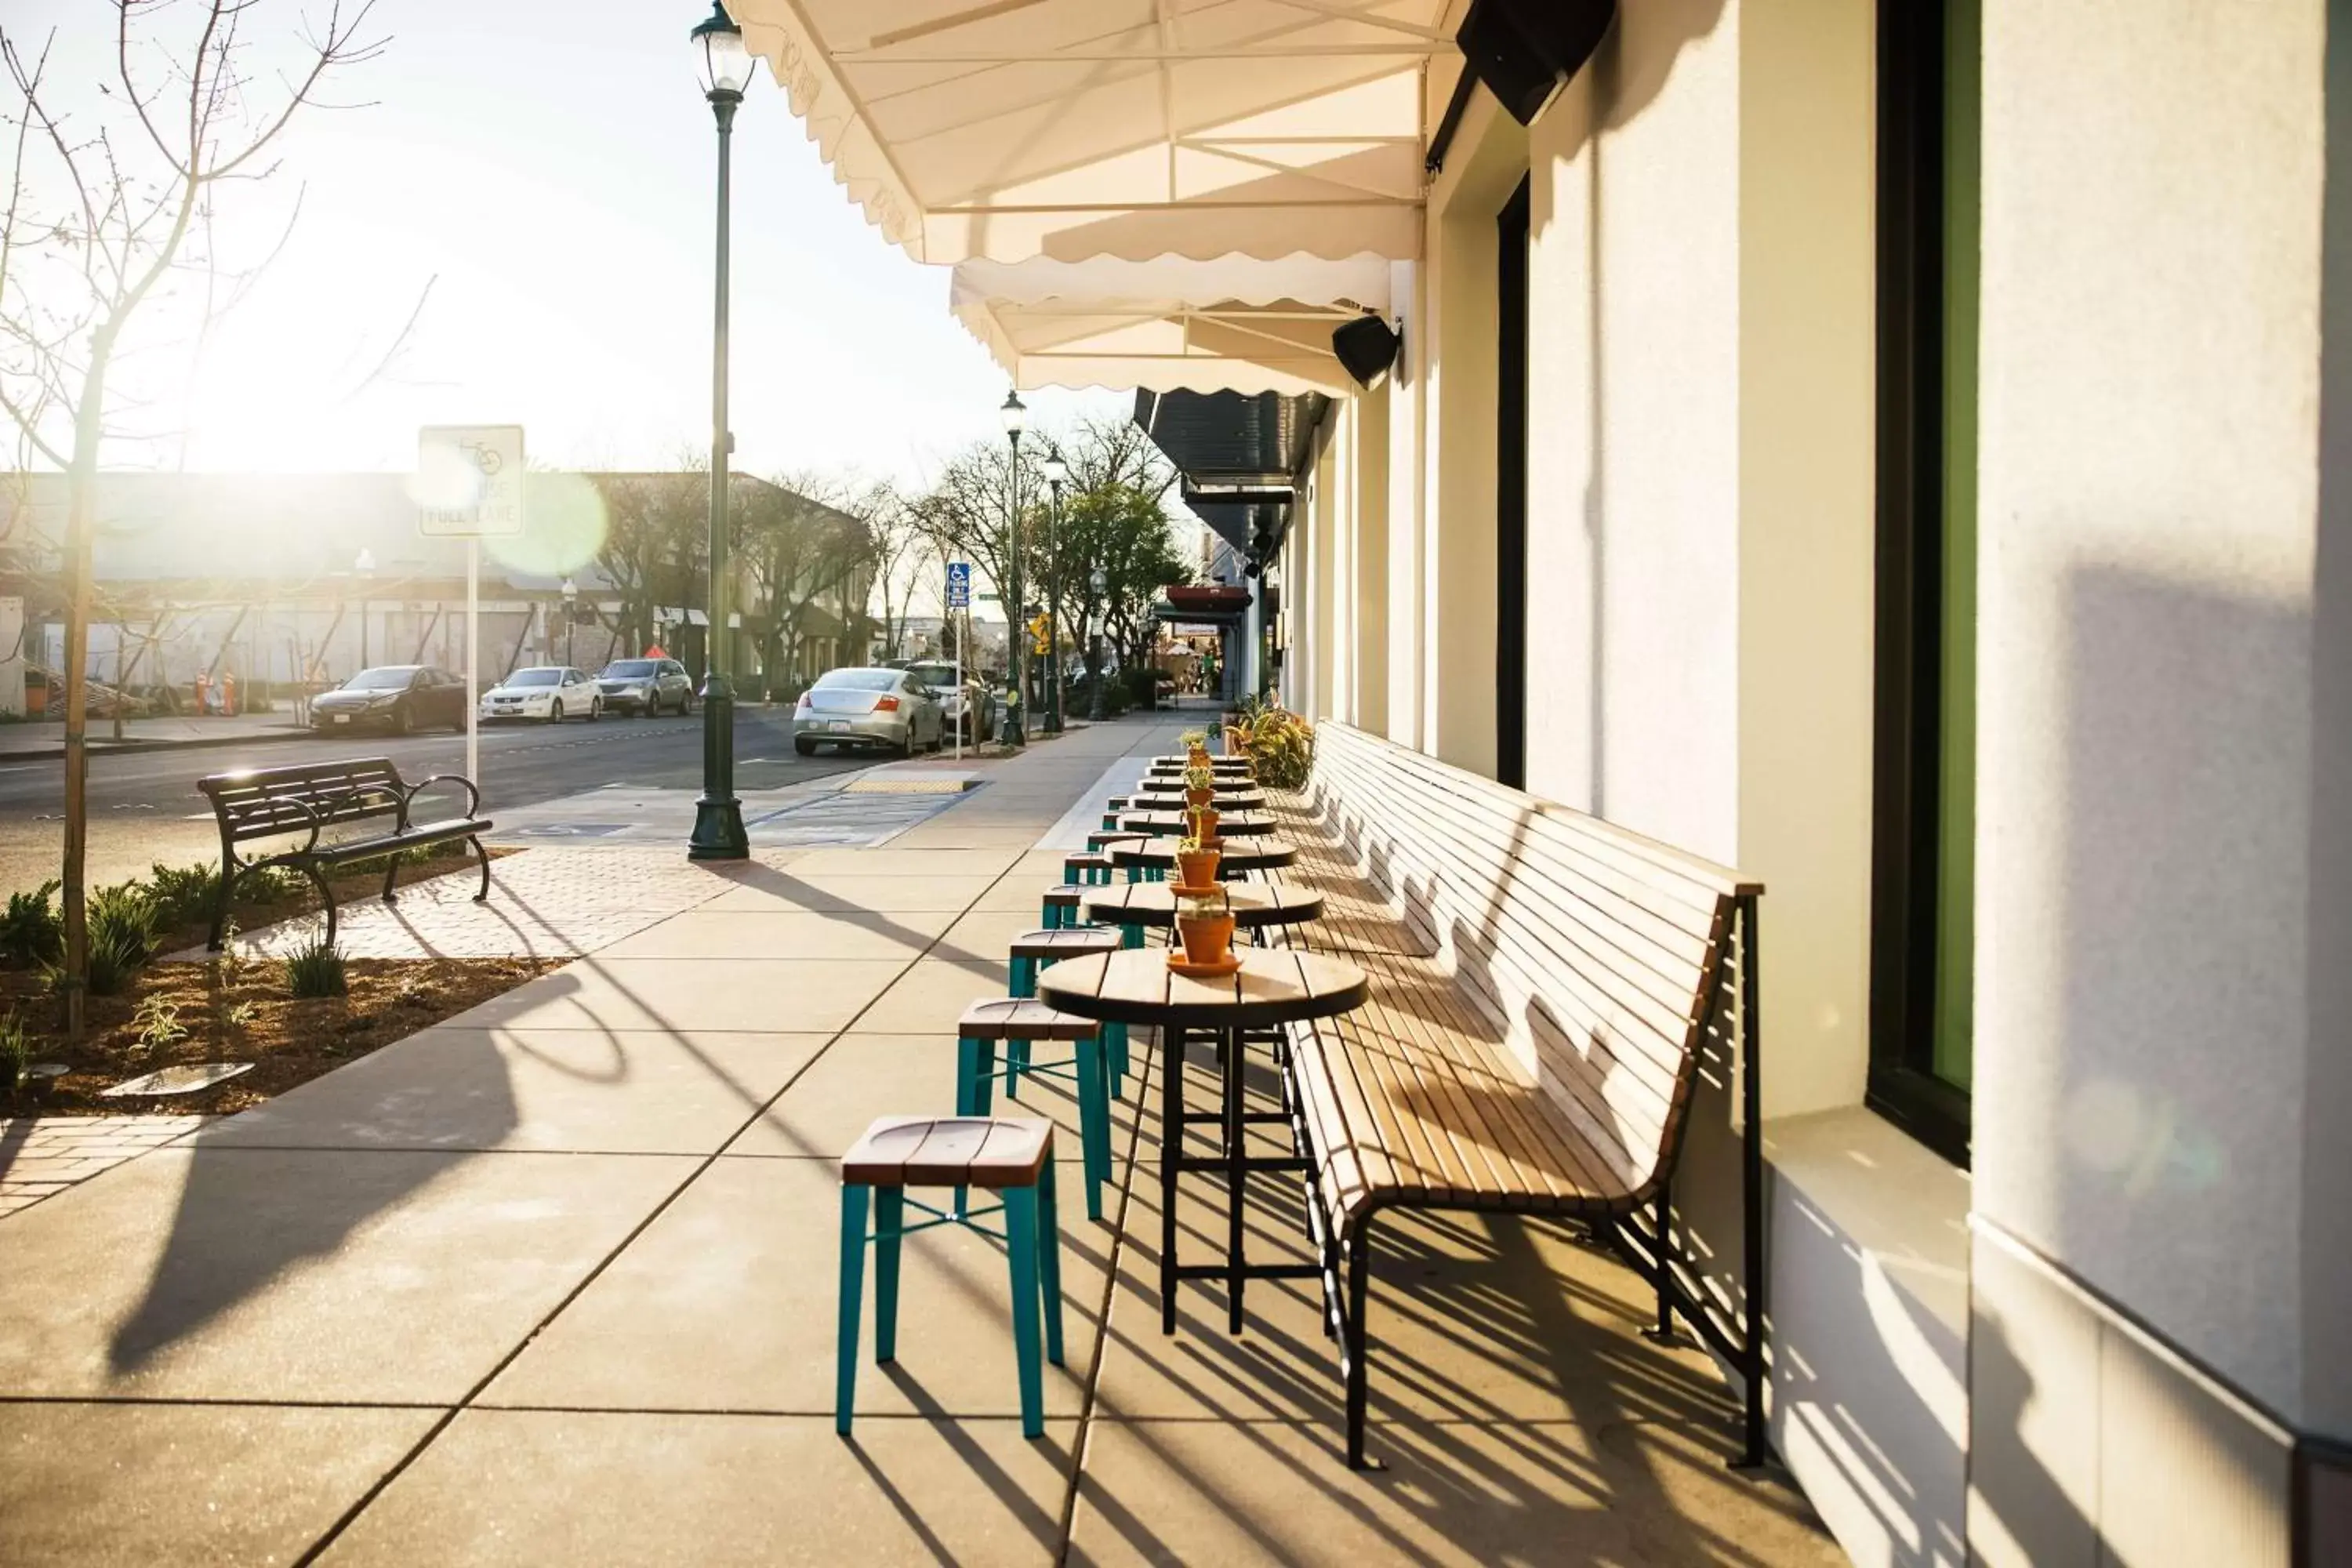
(232, 1009)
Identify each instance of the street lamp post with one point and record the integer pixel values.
(1014, 731)
(1098, 590)
(570, 615)
(1056, 473)
(363, 572)
(718, 815)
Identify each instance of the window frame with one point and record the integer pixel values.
(1909, 698)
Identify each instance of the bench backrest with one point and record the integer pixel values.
(264, 802)
(1603, 958)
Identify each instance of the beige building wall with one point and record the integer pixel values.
(2161, 1073)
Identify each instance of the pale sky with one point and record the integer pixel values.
(550, 166)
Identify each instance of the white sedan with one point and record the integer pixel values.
(548, 692)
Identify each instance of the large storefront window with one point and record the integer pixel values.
(1924, 871)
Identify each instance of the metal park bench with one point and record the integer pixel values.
(313, 798)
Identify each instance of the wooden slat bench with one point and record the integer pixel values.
(1543, 988)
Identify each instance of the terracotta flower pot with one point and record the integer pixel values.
(1197, 757)
(1199, 866)
(1205, 824)
(1207, 938)
(1197, 798)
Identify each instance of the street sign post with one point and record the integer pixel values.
(469, 480)
(960, 598)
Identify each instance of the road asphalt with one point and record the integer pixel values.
(145, 806)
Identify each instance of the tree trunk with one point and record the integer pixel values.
(82, 506)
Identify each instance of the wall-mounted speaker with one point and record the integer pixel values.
(1526, 50)
(1365, 348)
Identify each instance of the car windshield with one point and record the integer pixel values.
(860, 680)
(631, 668)
(391, 678)
(535, 678)
(931, 674)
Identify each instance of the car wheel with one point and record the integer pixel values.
(555, 711)
(595, 709)
(400, 719)
(805, 747)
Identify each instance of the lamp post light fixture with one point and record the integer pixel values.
(570, 615)
(1058, 473)
(1014, 731)
(1097, 592)
(363, 573)
(718, 833)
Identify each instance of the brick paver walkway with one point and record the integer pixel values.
(544, 903)
(43, 1154)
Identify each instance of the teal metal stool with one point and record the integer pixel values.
(1017, 1022)
(1033, 951)
(1010, 1156)
(1090, 869)
(1061, 908)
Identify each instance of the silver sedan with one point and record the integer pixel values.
(971, 709)
(868, 707)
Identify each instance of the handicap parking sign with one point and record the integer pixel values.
(959, 584)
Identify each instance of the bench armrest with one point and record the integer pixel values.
(473, 793)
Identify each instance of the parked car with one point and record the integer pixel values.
(395, 697)
(970, 708)
(868, 705)
(646, 686)
(550, 692)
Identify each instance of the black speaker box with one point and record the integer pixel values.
(1526, 50)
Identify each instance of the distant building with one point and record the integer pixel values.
(299, 580)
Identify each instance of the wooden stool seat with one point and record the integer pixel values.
(1064, 942)
(1021, 1018)
(992, 1151)
(1103, 839)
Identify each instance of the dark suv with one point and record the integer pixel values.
(646, 686)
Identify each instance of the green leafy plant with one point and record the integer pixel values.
(1279, 743)
(242, 1017)
(121, 936)
(182, 894)
(31, 931)
(158, 1024)
(316, 969)
(1191, 738)
(1200, 778)
(16, 1052)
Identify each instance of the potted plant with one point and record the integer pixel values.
(1196, 862)
(1200, 785)
(1203, 822)
(1205, 924)
(1196, 747)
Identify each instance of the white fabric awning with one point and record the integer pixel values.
(1011, 129)
(1232, 325)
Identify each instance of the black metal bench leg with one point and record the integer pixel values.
(391, 869)
(1664, 1253)
(220, 900)
(484, 896)
(1360, 1340)
(326, 897)
(1235, 1065)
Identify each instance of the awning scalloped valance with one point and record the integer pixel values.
(1004, 130)
(1235, 324)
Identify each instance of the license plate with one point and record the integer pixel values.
(837, 724)
(343, 718)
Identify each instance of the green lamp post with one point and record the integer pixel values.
(1014, 731)
(718, 814)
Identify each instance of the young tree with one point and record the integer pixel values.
(900, 551)
(656, 537)
(108, 206)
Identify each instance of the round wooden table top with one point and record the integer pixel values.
(1274, 986)
(1177, 824)
(1240, 854)
(1242, 796)
(1254, 904)
(1221, 764)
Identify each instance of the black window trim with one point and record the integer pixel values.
(1909, 697)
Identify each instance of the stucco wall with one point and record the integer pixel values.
(2153, 174)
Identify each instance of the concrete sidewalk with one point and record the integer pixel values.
(553, 1282)
(38, 738)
